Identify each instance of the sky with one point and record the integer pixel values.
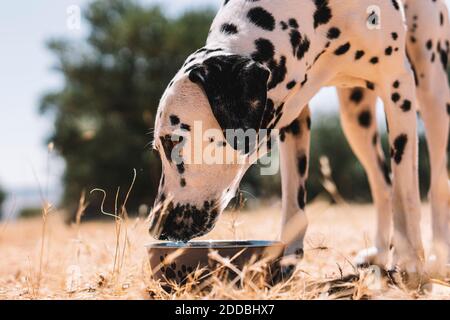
(26, 75)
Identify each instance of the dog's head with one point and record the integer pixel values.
(201, 158)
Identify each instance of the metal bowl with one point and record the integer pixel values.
(174, 261)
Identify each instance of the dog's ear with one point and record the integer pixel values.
(236, 88)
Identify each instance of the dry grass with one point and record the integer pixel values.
(95, 260)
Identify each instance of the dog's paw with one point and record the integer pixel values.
(284, 273)
(287, 271)
(286, 266)
(370, 257)
(410, 269)
(411, 281)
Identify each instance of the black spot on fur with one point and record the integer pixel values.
(291, 84)
(374, 60)
(293, 128)
(180, 168)
(333, 33)
(319, 55)
(185, 127)
(260, 17)
(302, 165)
(395, 97)
(264, 50)
(356, 95)
(444, 57)
(293, 23)
(395, 4)
(174, 120)
(300, 44)
(229, 28)
(359, 54)
(388, 51)
(342, 49)
(406, 106)
(370, 85)
(304, 80)
(301, 195)
(399, 148)
(322, 15)
(365, 119)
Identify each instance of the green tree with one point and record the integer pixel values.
(112, 84)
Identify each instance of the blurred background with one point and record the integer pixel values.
(80, 83)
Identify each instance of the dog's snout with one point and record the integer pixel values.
(183, 222)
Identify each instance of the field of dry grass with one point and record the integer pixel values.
(89, 261)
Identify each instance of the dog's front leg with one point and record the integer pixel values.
(358, 118)
(294, 156)
(399, 97)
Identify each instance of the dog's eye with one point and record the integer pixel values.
(169, 142)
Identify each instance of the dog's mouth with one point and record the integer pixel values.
(183, 222)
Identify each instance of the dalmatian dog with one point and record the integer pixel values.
(262, 63)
